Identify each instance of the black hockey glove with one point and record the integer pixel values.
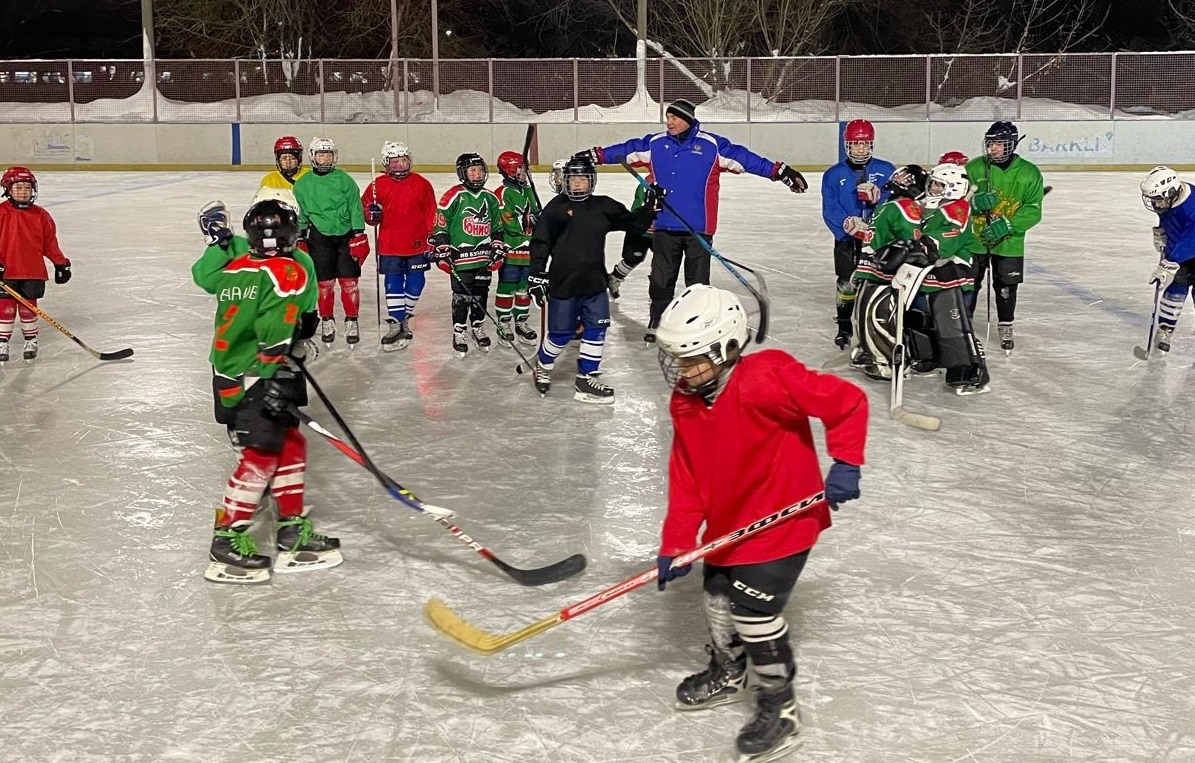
(790, 177)
(213, 222)
(904, 251)
(279, 393)
(593, 155)
(537, 287)
(654, 197)
(62, 273)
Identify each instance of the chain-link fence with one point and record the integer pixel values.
(978, 88)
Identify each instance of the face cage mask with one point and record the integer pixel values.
(396, 172)
(1008, 144)
(864, 147)
(670, 367)
(580, 195)
(22, 204)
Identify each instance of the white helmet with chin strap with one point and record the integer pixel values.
(703, 320)
(1161, 189)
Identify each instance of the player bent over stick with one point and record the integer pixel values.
(266, 298)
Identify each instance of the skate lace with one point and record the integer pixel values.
(241, 542)
(596, 384)
(305, 531)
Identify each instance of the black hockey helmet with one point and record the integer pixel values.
(1005, 136)
(463, 163)
(907, 181)
(579, 167)
(271, 226)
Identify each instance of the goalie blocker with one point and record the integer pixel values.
(937, 326)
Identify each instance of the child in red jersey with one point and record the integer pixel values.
(743, 449)
(28, 236)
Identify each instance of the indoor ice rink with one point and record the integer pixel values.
(1014, 587)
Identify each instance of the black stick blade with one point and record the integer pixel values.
(553, 573)
(118, 355)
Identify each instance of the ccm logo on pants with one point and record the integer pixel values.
(752, 592)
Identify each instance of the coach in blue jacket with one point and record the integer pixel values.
(686, 161)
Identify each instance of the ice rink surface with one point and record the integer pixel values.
(1019, 586)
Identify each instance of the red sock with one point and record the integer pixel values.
(350, 297)
(289, 479)
(246, 486)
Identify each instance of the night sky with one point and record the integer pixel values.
(111, 28)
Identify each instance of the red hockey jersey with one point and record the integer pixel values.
(27, 238)
(752, 453)
(408, 213)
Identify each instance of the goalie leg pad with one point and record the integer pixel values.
(876, 318)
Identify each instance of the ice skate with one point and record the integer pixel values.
(1162, 342)
(479, 336)
(525, 333)
(328, 330)
(1006, 341)
(459, 344)
(774, 730)
(4, 351)
(724, 681)
(352, 331)
(30, 351)
(392, 335)
(843, 338)
(404, 340)
(234, 558)
(589, 389)
(543, 378)
(506, 335)
(301, 549)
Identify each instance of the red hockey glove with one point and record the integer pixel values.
(858, 228)
(359, 248)
(868, 193)
(444, 265)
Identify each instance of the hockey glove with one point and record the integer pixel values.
(794, 180)
(213, 222)
(279, 393)
(1160, 240)
(537, 287)
(359, 248)
(868, 193)
(858, 228)
(373, 213)
(984, 202)
(445, 264)
(594, 155)
(667, 572)
(842, 483)
(498, 252)
(62, 273)
(305, 350)
(996, 231)
(653, 197)
(1164, 273)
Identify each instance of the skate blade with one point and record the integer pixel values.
(581, 397)
(218, 572)
(776, 753)
(719, 701)
(968, 391)
(305, 561)
(504, 343)
(529, 342)
(392, 347)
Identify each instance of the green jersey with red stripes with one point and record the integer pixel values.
(259, 302)
(518, 208)
(472, 220)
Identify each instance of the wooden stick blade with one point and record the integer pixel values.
(451, 625)
(917, 420)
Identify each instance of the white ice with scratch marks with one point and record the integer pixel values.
(1016, 587)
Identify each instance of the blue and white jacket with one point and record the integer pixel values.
(689, 172)
(840, 200)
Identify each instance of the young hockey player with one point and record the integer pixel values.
(265, 305)
(1007, 203)
(1174, 237)
(568, 264)
(469, 248)
(288, 157)
(28, 237)
(851, 191)
(403, 206)
(748, 416)
(519, 213)
(687, 162)
(635, 245)
(333, 226)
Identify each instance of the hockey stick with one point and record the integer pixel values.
(377, 253)
(514, 345)
(118, 355)
(760, 294)
(1144, 353)
(451, 625)
(552, 573)
(527, 163)
(907, 281)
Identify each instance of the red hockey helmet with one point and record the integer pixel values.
(511, 166)
(858, 139)
(14, 175)
(953, 157)
(288, 146)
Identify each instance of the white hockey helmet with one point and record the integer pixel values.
(284, 195)
(320, 146)
(392, 152)
(1161, 189)
(946, 182)
(703, 320)
(556, 178)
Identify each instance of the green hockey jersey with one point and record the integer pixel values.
(519, 208)
(331, 202)
(1020, 189)
(472, 221)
